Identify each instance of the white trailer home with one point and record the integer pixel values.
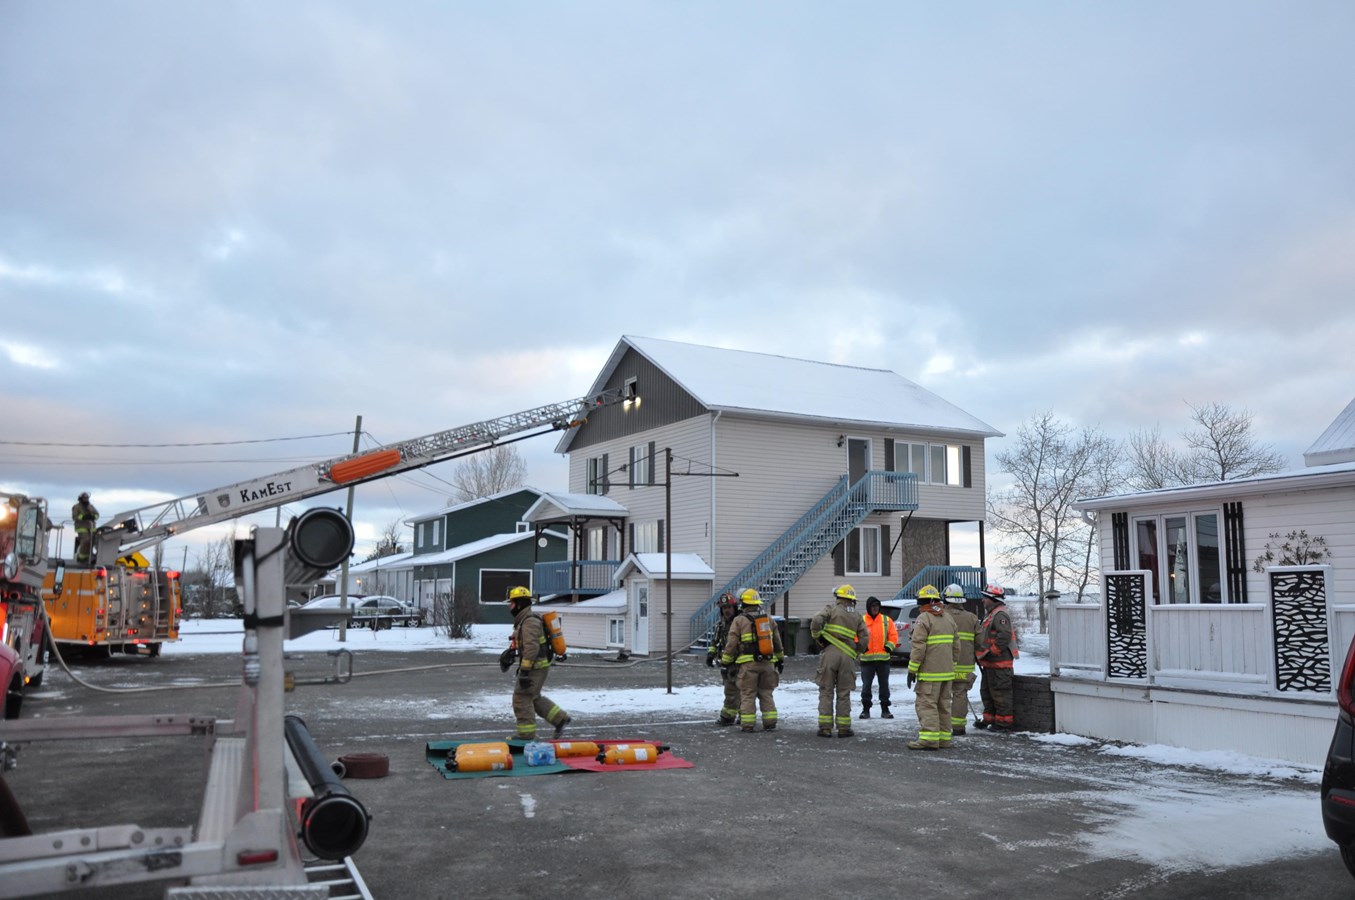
(1203, 640)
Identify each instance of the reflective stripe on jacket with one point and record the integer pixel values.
(884, 637)
(741, 645)
(844, 628)
(934, 642)
(997, 640)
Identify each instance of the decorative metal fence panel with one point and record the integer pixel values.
(1298, 599)
(1126, 624)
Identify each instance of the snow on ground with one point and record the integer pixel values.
(1184, 820)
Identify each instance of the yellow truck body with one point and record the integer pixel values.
(113, 607)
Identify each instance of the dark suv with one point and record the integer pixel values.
(1338, 776)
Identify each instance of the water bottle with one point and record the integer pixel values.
(539, 753)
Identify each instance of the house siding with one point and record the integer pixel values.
(662, 402)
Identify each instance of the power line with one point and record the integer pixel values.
(302, 437)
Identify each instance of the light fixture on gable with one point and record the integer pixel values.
(841, 439)
(630, 394)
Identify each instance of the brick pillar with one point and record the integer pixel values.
(1033, 699)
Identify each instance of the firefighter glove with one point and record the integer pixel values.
(710, 660)
(780, 665)
(506, 659)
(912, 679)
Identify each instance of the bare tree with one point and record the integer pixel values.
(1220, 447)
(482, 474)
(1052, 465)
(211, 581)
(388, 542)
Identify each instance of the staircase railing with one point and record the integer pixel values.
(812, 536)
(972, 579)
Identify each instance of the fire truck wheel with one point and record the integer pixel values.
(14, 698)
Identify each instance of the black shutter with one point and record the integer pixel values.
(632, 536)
(889, 455)
(1235, 552)
(839, 560)
(630, 468)
(661, 535)
(653, 462)
(1119, 539)
(605, 475)
(968, 479)
(884, 549)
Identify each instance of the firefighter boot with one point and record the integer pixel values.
(560, 726)
(923, 745)
(825, 732)
(723, 721)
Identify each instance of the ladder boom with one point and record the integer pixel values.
(149, 525)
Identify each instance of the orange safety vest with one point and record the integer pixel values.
(884, 637)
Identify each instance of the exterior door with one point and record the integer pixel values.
(858, 458)
(639, 617)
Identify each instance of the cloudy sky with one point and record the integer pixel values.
(243, 221)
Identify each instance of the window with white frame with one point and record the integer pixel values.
(435, 523)
(931, 463)
(863, 551)
(616, 632)
(646, 538)
(641, 464)
(597, 543)
(910, 457)
(1182, 550)
(598, 479)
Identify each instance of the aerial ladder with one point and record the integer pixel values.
(268, 789)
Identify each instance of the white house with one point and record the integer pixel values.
(787, 475)
(1202, 641)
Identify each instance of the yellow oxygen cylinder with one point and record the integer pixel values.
(555, 634)
(488, 757)
(764, 625)
(566, 749)
(628, 754)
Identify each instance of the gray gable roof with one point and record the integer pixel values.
(1337, 443)
(739, 381)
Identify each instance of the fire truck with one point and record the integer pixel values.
(24, 527)
(268, 790)
(125, 607)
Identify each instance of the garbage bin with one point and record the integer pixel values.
(790, 630)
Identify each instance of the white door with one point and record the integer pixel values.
(639, 617)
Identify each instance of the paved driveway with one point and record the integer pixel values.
(778, 815)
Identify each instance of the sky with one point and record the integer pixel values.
(225, 225)
(1181, 820)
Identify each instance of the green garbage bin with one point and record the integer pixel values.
(790, 630)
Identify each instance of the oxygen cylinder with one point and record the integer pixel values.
(565, 749)
(488, 757)
(628, 754)
(555, 634)
(764, 625)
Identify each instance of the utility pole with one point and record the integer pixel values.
(343, 571)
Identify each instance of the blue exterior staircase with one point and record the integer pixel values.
(812, 538)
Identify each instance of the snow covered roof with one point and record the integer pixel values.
(559, 506)
(1337, 443)
(474, 548)
(424, 517)
(606, 604)
(393, 561)
(1309, 479)
(784, 387)
(686, 567)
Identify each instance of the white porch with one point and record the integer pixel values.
(1256, 678)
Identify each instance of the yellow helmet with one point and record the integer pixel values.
(750, 597)
(846, 593)
(928, 594)
(519, 593)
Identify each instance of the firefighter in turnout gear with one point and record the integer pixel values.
(840, 632)
(534, 655)
(728, 606)
(84, 515)
(996, 653)
(753, 650)
(932, 669)
(884, 637)
(966, 626)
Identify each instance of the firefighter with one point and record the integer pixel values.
(84, 515)
(534, 656)
(753, 650)
(932, 669)
(966, 626)
(996, 653)
(728, 606)
(884, 637)
(840, 632)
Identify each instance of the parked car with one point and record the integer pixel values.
(1338, 775)
(904, 613)
(384, 611)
